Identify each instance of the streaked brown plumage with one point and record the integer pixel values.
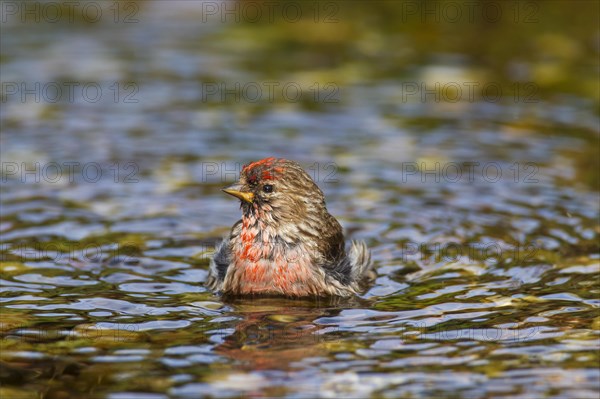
(286, 243)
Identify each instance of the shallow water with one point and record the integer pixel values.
(482, 215)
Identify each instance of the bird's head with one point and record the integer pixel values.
(277, 191)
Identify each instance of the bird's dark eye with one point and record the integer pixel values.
(268, 188)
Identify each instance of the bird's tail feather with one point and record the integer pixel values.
(362, 266)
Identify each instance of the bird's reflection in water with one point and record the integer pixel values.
(274, 332)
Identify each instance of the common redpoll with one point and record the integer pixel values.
(286, 243)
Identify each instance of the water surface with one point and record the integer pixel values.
(481, 213)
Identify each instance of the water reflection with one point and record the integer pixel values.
(272, 335)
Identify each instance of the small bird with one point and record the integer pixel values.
(287, 243)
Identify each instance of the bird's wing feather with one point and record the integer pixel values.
(218, 265)
(355, 269)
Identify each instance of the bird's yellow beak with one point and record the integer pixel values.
(236, 191)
